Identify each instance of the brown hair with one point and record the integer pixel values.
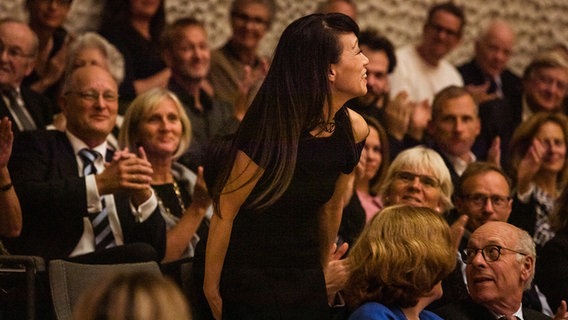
(400, 256)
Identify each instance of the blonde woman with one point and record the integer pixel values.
(134, 296)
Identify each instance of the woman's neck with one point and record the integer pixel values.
(44, 35)
(362, 185)
(162, 170)
(547, 183)
(142, 25)
(412, 313)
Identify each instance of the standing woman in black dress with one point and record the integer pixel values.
(279, 199)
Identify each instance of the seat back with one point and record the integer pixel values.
(68, 280)
(18, 281)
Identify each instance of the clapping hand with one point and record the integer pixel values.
(530, 165)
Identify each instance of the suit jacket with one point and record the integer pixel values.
(499, 117)
(38, 106)
(510, 83)
(469, 310)
(53, 199)
(453, 174)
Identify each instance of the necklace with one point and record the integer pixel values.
(177, 193)
(328, 127)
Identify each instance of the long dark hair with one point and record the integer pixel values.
(290, 101)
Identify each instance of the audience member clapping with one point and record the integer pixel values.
(157, 122)
(46, 19)
(539, 168)
(236, 67)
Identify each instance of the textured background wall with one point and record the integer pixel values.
(539, 23)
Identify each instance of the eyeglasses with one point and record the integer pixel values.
(14, 52)
(547, 80)
(93, 96)
(242, 17)
(490, 253)
(409, 177)
(438, 29)
(58, 2)
(479, 200)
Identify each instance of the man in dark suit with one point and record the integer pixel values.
(545, 85)
(454, 127)
(26, 109)
(500, 261)
(486, 76)
(65, 193)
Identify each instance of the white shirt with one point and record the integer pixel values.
(86, 243)
(419, 79)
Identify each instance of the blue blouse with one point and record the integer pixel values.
(377, 311)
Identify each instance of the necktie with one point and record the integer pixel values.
(101, 226)
(21, 115)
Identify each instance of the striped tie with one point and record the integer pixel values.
(21, 115)
(101, 227)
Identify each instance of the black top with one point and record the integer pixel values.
(52, 92)
(286, 233)
(142, 57)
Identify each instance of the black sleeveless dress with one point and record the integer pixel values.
(272, 268)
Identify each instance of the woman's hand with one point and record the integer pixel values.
(529, 166)
(200, 194)
(214, 299)
(336, 273)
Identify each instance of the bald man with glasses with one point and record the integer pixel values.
(500, 264)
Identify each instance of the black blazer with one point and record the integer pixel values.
(469, 310)
(38, 106)
(53, 199)
(472, 74)
(499, 117)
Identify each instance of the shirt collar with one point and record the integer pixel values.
(459, 164)
(518, 313)
(78, 144)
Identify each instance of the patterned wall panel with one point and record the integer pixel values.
(539, 23)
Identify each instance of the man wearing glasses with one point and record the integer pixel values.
(26, 109)
(483, 195)
(84, 202)
(500, 264)
(421, 70)
(237, 66)
(544, 89)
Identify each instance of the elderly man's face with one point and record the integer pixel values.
(91, 104)
(494, 51)
(16, 56)
(498, 283)
(546, 89)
